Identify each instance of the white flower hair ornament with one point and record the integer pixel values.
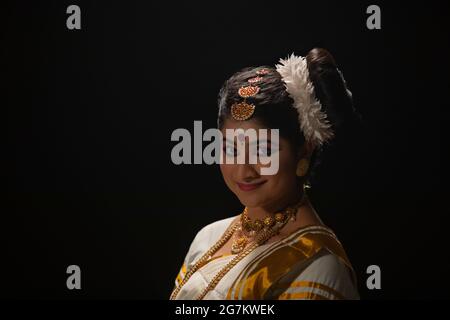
(313, 121)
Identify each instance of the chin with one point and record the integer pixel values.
(251, 200)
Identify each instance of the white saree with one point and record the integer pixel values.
(308, 264)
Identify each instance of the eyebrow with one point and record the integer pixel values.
(251, 143)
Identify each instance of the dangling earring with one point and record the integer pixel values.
(302, 167)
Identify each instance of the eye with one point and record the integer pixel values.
(230, 151)
(265, 150)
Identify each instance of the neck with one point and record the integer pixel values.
(272, 208)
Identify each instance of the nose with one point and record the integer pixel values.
(247, 172)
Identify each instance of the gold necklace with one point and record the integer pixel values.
(261, 238)
(265, 235)
(208, 254)
(248, 229)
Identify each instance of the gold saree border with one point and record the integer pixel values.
(310, 284)
(259, 275)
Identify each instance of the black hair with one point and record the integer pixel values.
(274, 107)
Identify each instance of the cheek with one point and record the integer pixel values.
(228, 176)
(288, 165)
(227, 172)
(286, 174)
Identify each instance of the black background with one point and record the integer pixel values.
(88, 115)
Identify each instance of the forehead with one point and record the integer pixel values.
(247, 124)
(241, 131)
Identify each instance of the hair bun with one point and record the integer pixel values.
(331, 89)
(320, 57)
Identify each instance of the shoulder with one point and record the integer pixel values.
(326, 277)
(327, 266)
(293, 267)
(324, 271)
(205, 238)
(212, 232)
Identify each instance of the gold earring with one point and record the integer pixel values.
(302, 167)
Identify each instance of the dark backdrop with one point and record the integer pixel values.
(87, 118)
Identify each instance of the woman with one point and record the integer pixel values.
(278, 247)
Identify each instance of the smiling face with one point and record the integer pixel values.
(245, 180)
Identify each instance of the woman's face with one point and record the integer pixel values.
(245, 180)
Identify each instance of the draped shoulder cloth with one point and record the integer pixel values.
(309, 264)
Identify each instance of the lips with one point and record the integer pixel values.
(250, 186)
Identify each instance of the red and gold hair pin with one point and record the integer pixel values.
(243, 110)
(262, 71)
(255, 79)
